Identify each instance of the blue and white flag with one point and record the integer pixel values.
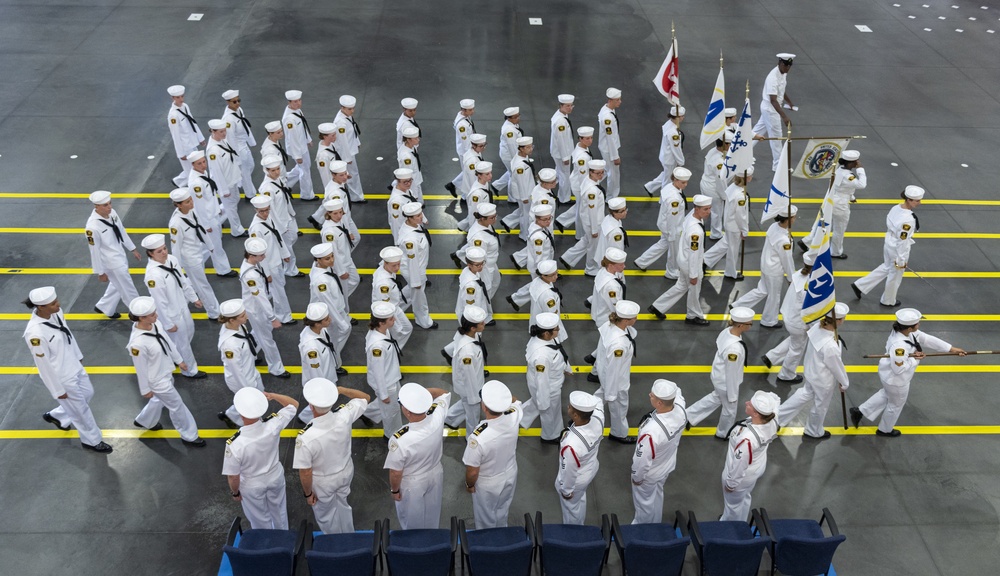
(822, 223)
(820, 295)
(777, 198)
(715, 120)
(739, 157)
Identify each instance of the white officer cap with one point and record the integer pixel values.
(270, 161)
(272, 126)
(261, 201)
(348, 101)
(393, 254)
(333, 204)
(230, 94)
(525, 140)
(546, 267)
(317, 311)
(142, 306)
(327, 128)
(496, 396)
(176, 90)
(616, 255)
(585, 131)
(914, 192)
(412, 208)
(402, 173)
(409, 103)
(383, 309)
(484, 167)
(766, 403)
(338, 167)
(547, 175)
(664, 389)
(908, 316)
(320, 392)
(792, 209)
(850, 155)
(250, 402)
(729, 112)
(293, 95)
(415, 398)
(475, 254)
(486, 209)
(681, 173)
(566, 98)
(478, 138)
(541, 210)
(785, 56)
(580, 400)
(597, 164)
(677, 111)
(232, 308)
(809, 258)
(474, 314)
(153, 241)
(322, 249)
(180, 194)
(513, 110)
(702, 200)
(741, 314)
(216, 124)
(613, 93)
(100, 197)
(255, 246)
(411, 132)
(196, 155)
(547, 321)
(467, 104)
(841, 310)
(626, 309)
(616, 203)
(727, 137)
(42, 296)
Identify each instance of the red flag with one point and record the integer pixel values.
(666, 80)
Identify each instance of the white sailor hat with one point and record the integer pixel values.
(581, 400)
(317, 311)
(408, 103)
(180, 194)
(348, 101)
(216, 124)
(681, 173)
(293, 95)
(467, 104)
(585, 131)
(383, 309)
(232, 308)
(613, 93)
(230, 94)
(333, 204)
(415, 398)
(142, 306)
(272, 126)
(701, 200)
(547, 175)
(616, 255)
(727, 137)
(153, 241)
(664, 389)
(327, 128)
(255, 246)
(320, 392)
(626, 309)
(42, 296)
(914, 192)
(546, 267)
(841, 310)
(525, 140)
(261, 201)
(322, 249)
(176, 90)
(785, 56)
(250, 402)
(850, 155)
(741, 314)
(809, 258)
(616, 204)
(411, 132)
(402, 173)
(486, 209)
(100, 197)
(475, 254)
(677, 111)
(547, 321)
(729, 112)
(392, 254)
(542, 210)
(478, 138)
(474, 314)
(566, 98)
(792, 209)
(270, 161)
(484, 167)
(196, 155)
(338, 166)
(512, 111)
(597, 164)
(765, 403)
(908, 316)
(412, 208)
(496, 396)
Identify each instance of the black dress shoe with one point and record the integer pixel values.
(826, 435)
(451, 188)
(199, 375)
(341, 371)
(291, 322)
(367, 421)
(840, 257)
(197, 442)
(363, 201)
(622, 440)
(514, 260)
(798, 378)
(766, 361)
(458, 261)
(313, 199)
(723, 438)
(802, 245)
(315, 223)
(284, 375)
(773, 326)
(696, 321)
(513, 304)
(491, 323)
(354, 321)
(505, 226)
(245, 234)
(589, 275)
(300, 233)
(637, 267)
(891, 434)
(486, 373)
(739, 277)
(298, 274)
(589, 359)
(227, 420)
(659, 315)
(856, 417)
(565, 264)
(593, 378)
(114, 316)
(559, 225)
(213, 318)
(52, 420)
(857, 291)
(100, 448)
(450, 426)
(549, 440)
(260, 362)
(893, 305)
(155, 427)
(230, 274)
(428, 283)
(587, 304)
(447, 358)
(433, 326)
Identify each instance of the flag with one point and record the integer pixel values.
(739, 157)
(821, 224)
(715, 120)
(666, 80)
(819, 158)
(820, 297)
(777, 198)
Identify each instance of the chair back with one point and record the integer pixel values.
(800, 556)
(263, 562)
(419, 552)
(666, 557)
(733, 557)
(507, 560)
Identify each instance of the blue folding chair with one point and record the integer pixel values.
(727, 548)
(799, 547)
(650, 549)
(420, 552)
(498, 551)
(572, 550)
(261, 552)
(352, 553)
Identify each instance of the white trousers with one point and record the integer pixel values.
(247, 167)
(403, 328)
(617, 410)
(333, 514)
(180, 416)
(278, 297)
(562, 175)
(230, 212)
(838, 223)
(550, 419)
(492, 498)
(354, 189)
(738, 501)
(464, 411)
(420, 506)
(523, 295)
(574, 510)
(182, 338)
(768, 287)
(386, 412)
(75, 409)
(264, 333)
(789, 352)
(653, 253)
(220, 260)
(196, 274)
(728, 247)
(683, 286)
(305, 177)
(585, 246)
(648, 501)
(887, 271)
(614, 181)
(769, 124)
(418, 301)
(120, 287)
(264, 502)
(817, 398)
(714, 399)
(181, 180)
(887, 402)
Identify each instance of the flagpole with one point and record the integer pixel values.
(788, 166)
(855, 137)
(746, 197)
(836, 338)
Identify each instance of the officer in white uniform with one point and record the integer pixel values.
(205, 193)
(615, 351)
(382, 354)
(548, 365)
(336, 189)
(590, 208)
(468, 367)
(464, 129)
(225, 167)
(746, 456)
(325, 154)
(399, 196)
(408, 157)
(415, 242)
(349, 144)
(108, 240)
(491, 457)
(713, 182)
(335, 231)
(670, 223)
(416, 476)
(481, 192)
(387, 286)
(57, 355)
(671, 150)
(272, 146)
(847, 179)
(255, 286)
(580, 157)
(727, 373)
(789, 352)
(323, 453)
(776, 264)
(187, 239)
(282, 213)
(736, 226)
(263, 226)
(510, 131)
(773, 98)
(406, 118)
(541, 247)
(578, 448)
(609, 140)
(522, 182)
(298, 139)
(184, 131)
(320, 357)
(906, 347)
(155, 357)
(690, 257)
(471, 286)
(170, 288)
(561, 143)
(544, 194)
(482, 235)
(251, 466)
(326, 287)
(477, 144)
(545, 297)
(901, 224)
(238, 348)
(609, 285)
(241, 137)
(655, 454)
(613, 233)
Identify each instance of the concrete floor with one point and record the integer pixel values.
(82, 105)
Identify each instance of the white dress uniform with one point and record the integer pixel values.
(187, 239)
(769, 123)
(155, 357)
(326, 287)
(824, 374)
(256, 293)
(467, 379)
(590, 215)
(615, 351)
(324, 156)
(238, 349)
(469, 161)
(224, 166)
(324, 446)
(388, 287)
(297, 139)
(170, 288)
(492, 448)
(270, 231)
(736, 226)
(713, 185)
(727, 375)
(186, 135)
(546, 297)
(746, 459)
(578, 465)
(670, 222)
(349, 144)
(472, 292)
(409, 158)
(608, 290)
(775, 263)
(486, 238)
(541, 246)
(522, 182)
(895, 373)
(204, 192)
(547, 364)
(845, 184)
(416, 246)
(415, 449)
(690, 256)
(382, 355)
(252, 453)
(283, 216)
(509, 133)
(654, 459)
(275, 148)
(478, 194)
(788, 353)
(581, 156)
(108, 241)
(402, 123)
(319, 359)
(464, 129)
(671, 156)
(561, 143)
(612, 235)
(394, 207)
(338, 234)
(57, 356)
(608, 142)
(241, 137)
(901, 224)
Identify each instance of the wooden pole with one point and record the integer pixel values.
(967, 353)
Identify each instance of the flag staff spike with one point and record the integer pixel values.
(748, 88)
(720, 62)
(672, 35)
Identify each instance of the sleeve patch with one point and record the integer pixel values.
(36, 342)
(135, 351)
(619, 353)
(312, 354)
(151, 283)
(406, 161)
(321, 287)
(733, 357)
(607, 121)
(173, 120)
(608, 129)
(551, 303)
(510, 134)
(409, 245)
(211, 156)
(612, 294)
(383, 289)
(466, 361)
(461, 128)
(251, 283)
(539, 368)
(538, 242)
(562, 128)
(376, 352)
(341, 130)
(290, 125)
(900, 352)
(580, 162)
(470, 290)
(477, 242)
(229, 354)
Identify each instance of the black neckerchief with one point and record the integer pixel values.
(60, 327)
(305, 122)
(249, 338)
(114, 228)
(198, 228)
